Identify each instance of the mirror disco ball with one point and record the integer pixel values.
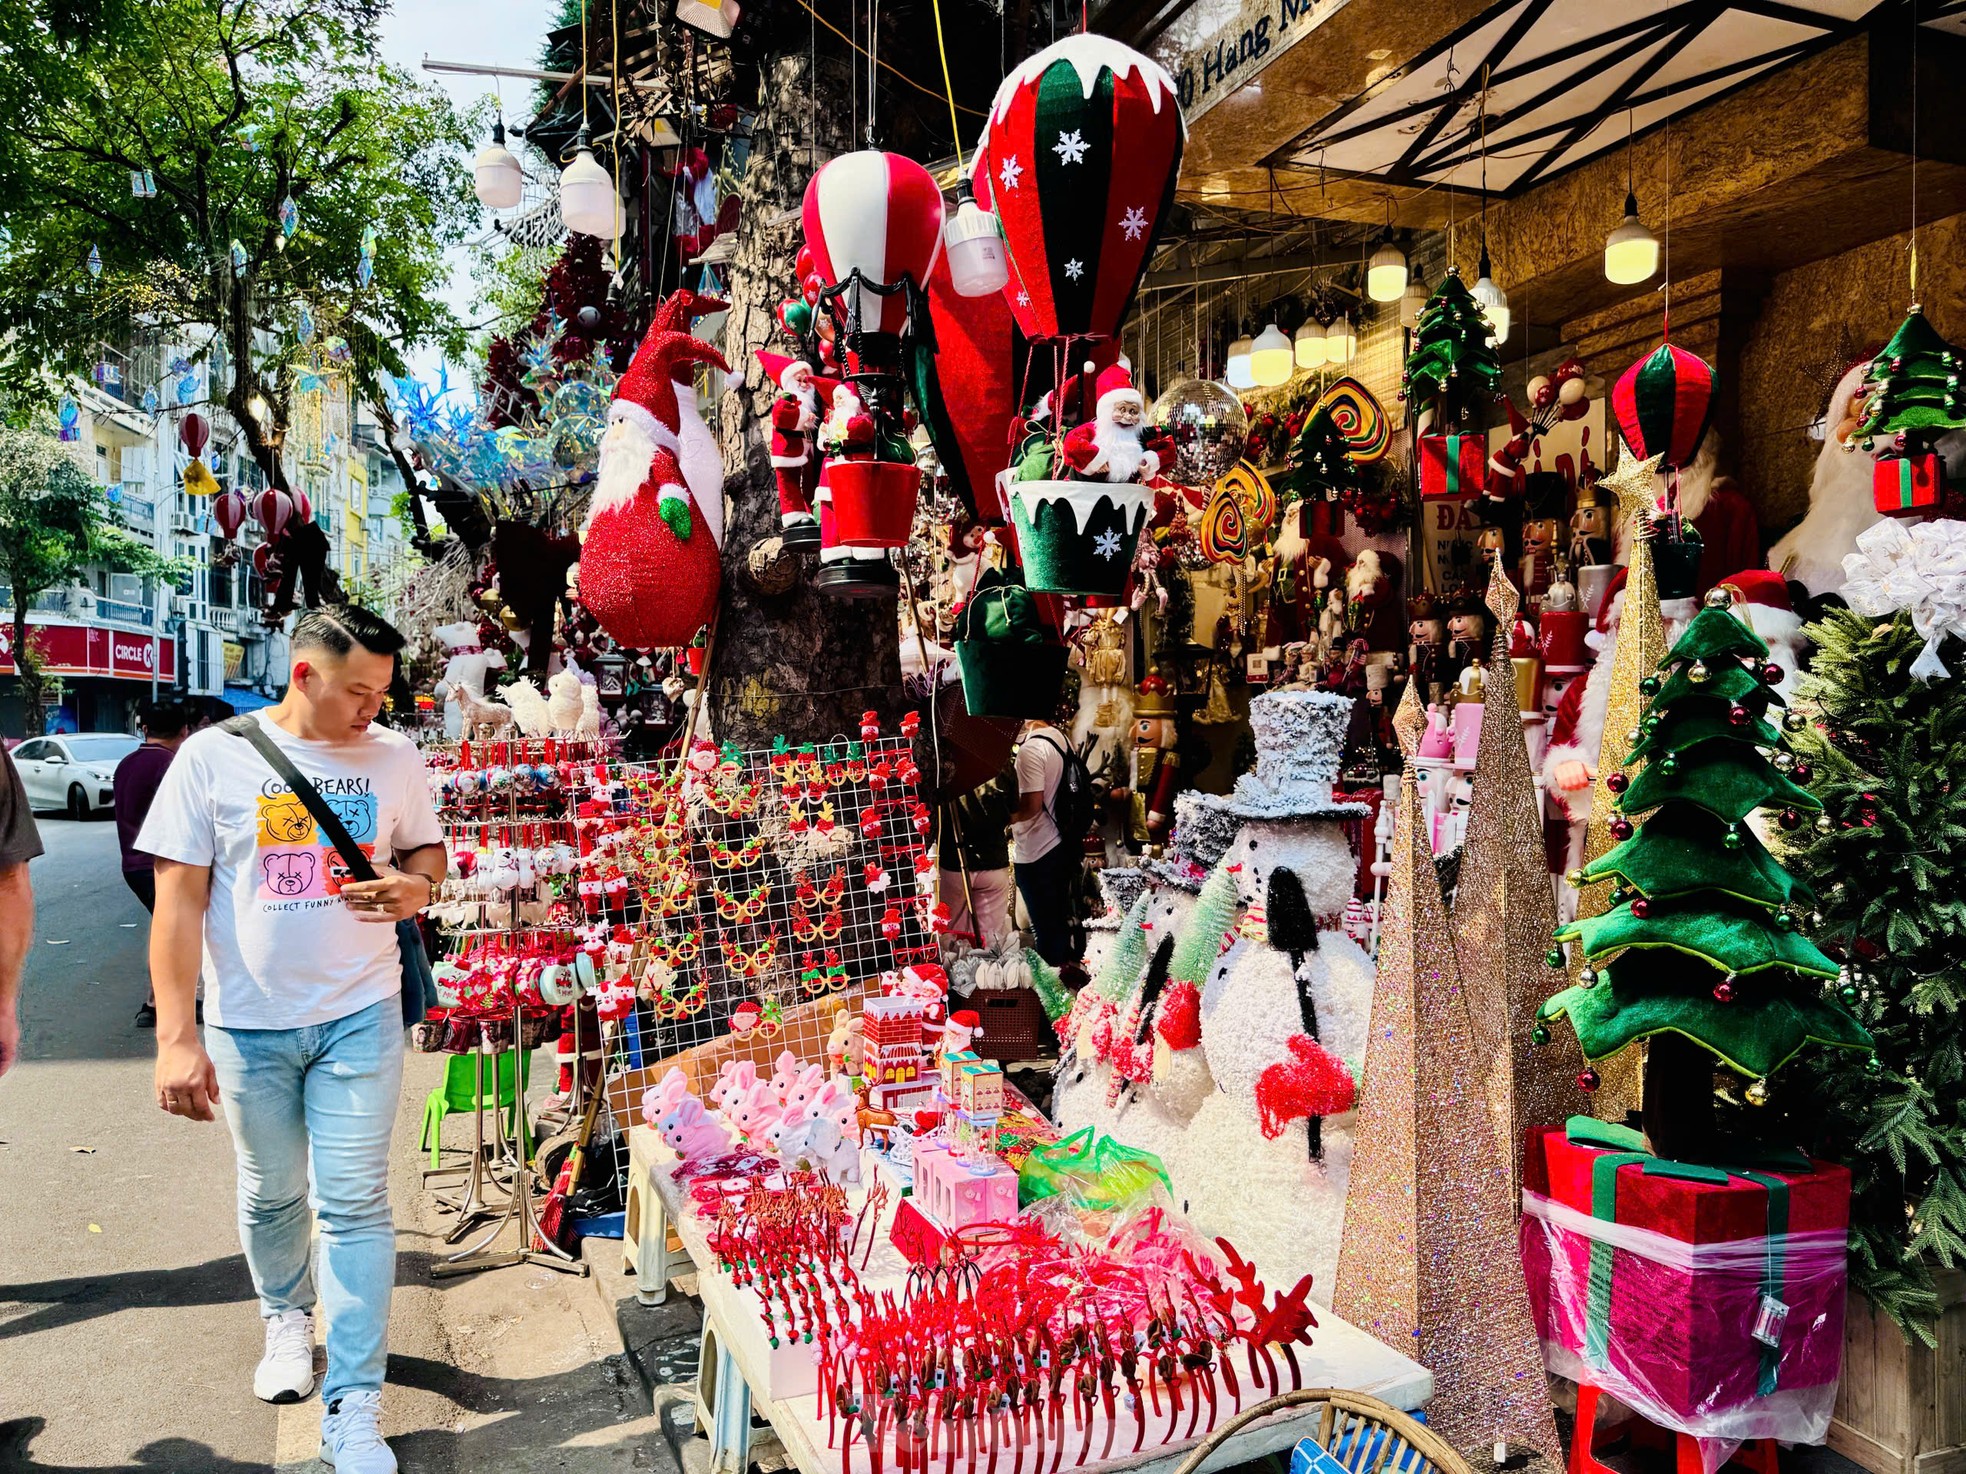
(1208, 427)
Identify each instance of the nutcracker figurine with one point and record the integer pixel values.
(1156, 765)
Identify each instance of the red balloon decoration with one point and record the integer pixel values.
(229, 511)
(303, 506)
(265, 562)
(1083, 149)
(1663, 404)
(193, 431)
(879, 214)
(273, 507)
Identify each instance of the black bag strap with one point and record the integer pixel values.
(249, 728)
(1065, 756)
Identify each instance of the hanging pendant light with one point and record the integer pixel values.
(1386, 271)
(1413, 303)
(973, 241)
(1493, 301)
(1309, 344)
(1631, 252)
(1272, 358)
(1236, 370)
(496, 173)
(588, 203)
(1340, 342)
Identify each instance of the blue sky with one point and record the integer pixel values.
(490, 32)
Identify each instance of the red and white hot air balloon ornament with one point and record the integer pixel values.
(273, 507)
(873, 231)
(229, 511)
(192, 433)
(1079, 159)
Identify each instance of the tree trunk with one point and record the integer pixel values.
(27, 666)
(802, 664)
(1678, 1110)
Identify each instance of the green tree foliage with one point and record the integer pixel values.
(1887, 757)
(53, 523)
(229, 108)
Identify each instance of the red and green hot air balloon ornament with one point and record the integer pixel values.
(873, 227)
(1079, 160)
(1664, 404)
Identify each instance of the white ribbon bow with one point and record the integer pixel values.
(1921, 570)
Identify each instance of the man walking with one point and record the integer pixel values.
(165, 726)
(20, 842)
(302, 980)
(1048, 869)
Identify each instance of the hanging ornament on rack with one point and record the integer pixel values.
(239, 258)
(304, 326)
(289, 221)
(365, 259)
(95, 261)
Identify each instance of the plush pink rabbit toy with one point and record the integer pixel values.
(692, 1131)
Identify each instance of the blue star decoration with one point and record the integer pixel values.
(1107, 545)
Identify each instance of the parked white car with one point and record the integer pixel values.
(73, 772)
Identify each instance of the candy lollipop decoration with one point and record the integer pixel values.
(1223, 537)
(1360, 418)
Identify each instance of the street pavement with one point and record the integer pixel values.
(128, 1328)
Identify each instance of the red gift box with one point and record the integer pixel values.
(1906, 486)
(1453, 465)
(1708, 1298)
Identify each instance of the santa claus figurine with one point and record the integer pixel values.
(651, 545)
(1113, 446)
(848, 433)
(794, 418)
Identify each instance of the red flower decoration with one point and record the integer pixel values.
(1312, 1082)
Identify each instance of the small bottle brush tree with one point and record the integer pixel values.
(1453, 363)
(1699, 953)
(1320, 461)
(1914, 390)
(1887, 758)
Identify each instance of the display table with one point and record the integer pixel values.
(738, 1360)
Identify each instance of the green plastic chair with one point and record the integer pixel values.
(459, 1094)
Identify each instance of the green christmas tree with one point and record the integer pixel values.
(1320, 460)
(1452, 360)
(1887, 860)
(1699, 952)
(1914, 387)
(1202, 936)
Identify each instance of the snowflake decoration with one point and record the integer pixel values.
(1023, 299)
(1074, 269)
(1070, 147)
(1010, 171)
(1107, 544)
(1133, 224)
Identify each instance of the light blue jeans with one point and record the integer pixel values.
(315, 1107)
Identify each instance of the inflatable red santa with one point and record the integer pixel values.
(1112, 446)
(653, 539)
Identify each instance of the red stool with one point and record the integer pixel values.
(1757, 1454)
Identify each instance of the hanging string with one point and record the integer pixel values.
(955, 127)
(873, 51)
(812, 81)
(1665, 318)
(1913, 9)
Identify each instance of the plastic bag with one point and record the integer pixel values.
(1092, 1171)
(1691, 1336)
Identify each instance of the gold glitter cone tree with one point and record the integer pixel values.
(1428, 1262)
(1640, 646)
(1504, 913)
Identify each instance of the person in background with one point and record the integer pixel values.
(165, 725)
(975, 826)
(304, 978)
(1047, 870)
(20, 842)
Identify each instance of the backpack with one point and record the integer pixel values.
(1071, 801)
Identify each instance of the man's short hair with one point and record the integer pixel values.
(339, 628)
(163, 718)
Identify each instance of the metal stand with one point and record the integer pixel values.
(519, 1207)
(471, 1205)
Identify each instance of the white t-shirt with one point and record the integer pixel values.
(282, 949)
(1039, 766)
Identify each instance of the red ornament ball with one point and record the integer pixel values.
(1587, 1079)
(1641, 908)
(1618, 782)
(1801, 772)
(1789, 818)
(1772, 674)
(1621, 828)
(1739, 716)
(1723, 991)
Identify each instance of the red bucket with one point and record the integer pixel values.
(873, 502)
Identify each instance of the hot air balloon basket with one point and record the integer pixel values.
(1907, 486)
(873, 502)
(1077, 537)
(1009, 678)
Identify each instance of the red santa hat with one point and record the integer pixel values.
(966, 1022)
(1607, 604)
(1115, 384)
(646, 393)
(1761, 586)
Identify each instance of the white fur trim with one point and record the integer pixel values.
(627, 409)
(788, 462)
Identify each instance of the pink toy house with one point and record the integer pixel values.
(957, 1193)
(895, 1054)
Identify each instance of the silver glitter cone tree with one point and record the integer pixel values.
(1428, 1262)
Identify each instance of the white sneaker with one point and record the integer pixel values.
(286, 1371)
(351, 1436)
